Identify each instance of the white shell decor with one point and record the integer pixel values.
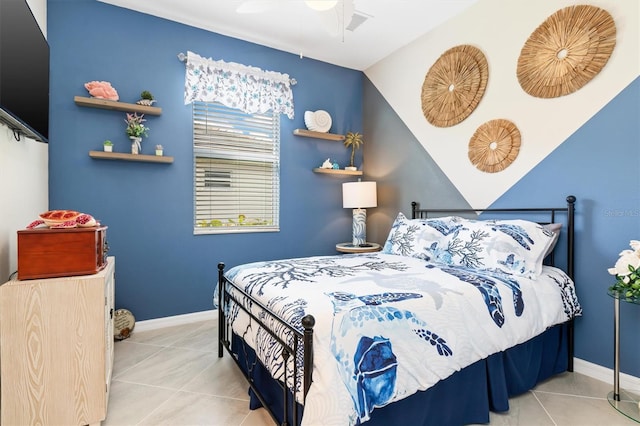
(146, 102)
(318, 121)
(308, 119)
(327, 164)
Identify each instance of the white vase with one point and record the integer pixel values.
(135, 144)
(108, 148)
(159, 152)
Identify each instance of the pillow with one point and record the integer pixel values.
(555, 228)
(515, 247)
(421, 238)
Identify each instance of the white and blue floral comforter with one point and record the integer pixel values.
(388, 326)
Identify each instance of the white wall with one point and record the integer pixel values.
(24, 178)
(39, 10)
(499, 28)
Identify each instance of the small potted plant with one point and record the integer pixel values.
(353, 140)
(136, 130)
(146, 98)
(159, 150)
(135, 127)
(107, 145)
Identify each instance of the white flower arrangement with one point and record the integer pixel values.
(627, 273)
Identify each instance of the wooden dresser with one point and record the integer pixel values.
(56, 349)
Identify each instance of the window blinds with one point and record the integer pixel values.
(236, 170)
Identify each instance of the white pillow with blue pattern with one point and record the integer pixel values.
(421, 238)
(515, 247)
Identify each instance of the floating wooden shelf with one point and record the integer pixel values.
(116, 106)
(338, 172)
(318, 135)
(101, 155)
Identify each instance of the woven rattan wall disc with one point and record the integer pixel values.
(494, 145)
(566, 51)
(454, 85)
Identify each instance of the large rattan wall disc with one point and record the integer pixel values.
(494, 145)
(566, 51)
(454, 85)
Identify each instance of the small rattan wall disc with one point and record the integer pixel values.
(566, 51)
(494, 145)
(454, 85)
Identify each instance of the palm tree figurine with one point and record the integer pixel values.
(353, 140)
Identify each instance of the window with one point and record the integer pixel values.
(236, 170)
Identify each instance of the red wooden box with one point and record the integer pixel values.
(46, 253)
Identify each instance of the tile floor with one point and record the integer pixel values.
(173, 376)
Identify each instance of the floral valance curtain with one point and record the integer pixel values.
(246, 88)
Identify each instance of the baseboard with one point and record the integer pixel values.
(598, 372)
(156, 323)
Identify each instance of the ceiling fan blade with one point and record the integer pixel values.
(337, 19)
(320, 5)
(256, 6)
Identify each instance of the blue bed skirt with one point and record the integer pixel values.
(463, 398)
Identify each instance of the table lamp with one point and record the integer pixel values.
(359, 196)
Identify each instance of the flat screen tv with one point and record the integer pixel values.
(24, 72)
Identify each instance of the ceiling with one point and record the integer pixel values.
(291, 26)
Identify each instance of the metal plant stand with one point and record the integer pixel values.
(628, 406)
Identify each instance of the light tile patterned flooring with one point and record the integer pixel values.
(173, 376)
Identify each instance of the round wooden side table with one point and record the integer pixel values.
(361, 248)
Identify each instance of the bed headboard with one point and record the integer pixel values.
(542, 215)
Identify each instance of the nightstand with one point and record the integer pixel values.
(365, 248)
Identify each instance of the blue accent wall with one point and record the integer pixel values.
(600, 165)
(162, 268)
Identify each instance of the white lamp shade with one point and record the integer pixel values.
(359, 195)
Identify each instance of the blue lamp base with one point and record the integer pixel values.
(359, 227)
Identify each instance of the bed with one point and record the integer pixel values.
(452, 318)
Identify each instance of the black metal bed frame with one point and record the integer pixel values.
(303, 340)
(551, 212)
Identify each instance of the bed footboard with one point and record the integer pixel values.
(299, 347)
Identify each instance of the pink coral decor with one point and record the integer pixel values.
(102, 90)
